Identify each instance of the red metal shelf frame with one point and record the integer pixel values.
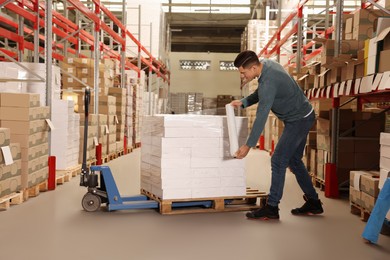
(64, 28)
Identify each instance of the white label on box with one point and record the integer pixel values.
(357, 86)
(7, 155)
(341, 89)
(50, 124)
(385, 81)
(349, 85)
(335, 90)
(356, 180)
(106, 130)
(95, 141)
(116, 120)
(378, 78)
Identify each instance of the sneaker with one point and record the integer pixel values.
(311, 207)
(265, 213)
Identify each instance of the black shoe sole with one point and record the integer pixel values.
(307, 213)
(262, 218)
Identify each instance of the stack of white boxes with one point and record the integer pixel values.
(65, 137)
(10, 173)
(26, 119)
(31, 83)
(384, 161)
(187, 156)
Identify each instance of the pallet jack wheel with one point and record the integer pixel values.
(91, 202)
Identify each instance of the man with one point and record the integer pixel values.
(279, 93)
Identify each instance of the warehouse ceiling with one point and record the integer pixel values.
(206, 32)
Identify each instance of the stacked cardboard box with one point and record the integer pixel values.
(359, 151)
(121, 102)
(194, 102)
(65, 137)
(209, 106)
(92, 137)
(188, 157)
(83, 69)
(178, 102)
(10, 173)
(103, 132)
(25, 117)
(364, 21)
(222, 100)
(364, 190)
(111, 136)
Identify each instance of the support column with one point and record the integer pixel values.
(299, 40)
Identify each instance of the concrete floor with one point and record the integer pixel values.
(54, 226)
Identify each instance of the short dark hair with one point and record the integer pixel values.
(246, 59)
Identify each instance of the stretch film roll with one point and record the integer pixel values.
(232, 130)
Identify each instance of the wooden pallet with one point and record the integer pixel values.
(137, 145)
(35, 190)
(120, 153)
(63, 176)
(14, 198)
(360, 211)
(218, 204)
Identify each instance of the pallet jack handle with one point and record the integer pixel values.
(84, 169)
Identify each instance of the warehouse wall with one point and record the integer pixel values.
(212, 82)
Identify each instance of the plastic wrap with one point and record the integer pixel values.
(232, 130)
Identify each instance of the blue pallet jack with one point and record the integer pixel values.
(101, 186)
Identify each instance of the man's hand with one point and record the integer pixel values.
(236, 103)
(242, 152)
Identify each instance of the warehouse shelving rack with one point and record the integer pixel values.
(63, 37)
(334, 91)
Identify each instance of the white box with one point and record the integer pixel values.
(384, 162)
(205, 142)
(176, 193)
(231, 171)
(199, 152)
(233, 191)
(385, 151)
(175, 183)
(205, 162)
(204, 172)
(206, 182)
(233, 182)
(207, 192)
(385, 139)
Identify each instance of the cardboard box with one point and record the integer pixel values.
(20, 113)
(19, 100)
(5, 135)
(368, 201)
(384, 64)
(15, 152)
(364, 22)
(369, 184)
(355, 196)
(26, 127)
(10, 185)
(313, 161)
(35, 178)
(355, 178)
(27, 141)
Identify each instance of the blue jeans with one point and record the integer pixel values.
(378, 214)
(288, 153)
